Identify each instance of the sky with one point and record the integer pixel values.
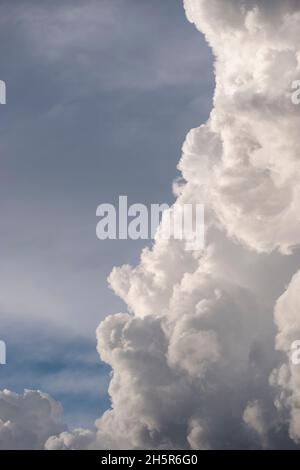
(100, 96)
(165, 347)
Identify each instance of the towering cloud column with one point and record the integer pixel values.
(189, 368)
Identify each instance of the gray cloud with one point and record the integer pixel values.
(286, 377)
(27, 420)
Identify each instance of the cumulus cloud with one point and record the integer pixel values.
(286, 378)
(28, 419)
(253, 417)
(186, 367)
(77, 439)
(249, 147)
(169, 371)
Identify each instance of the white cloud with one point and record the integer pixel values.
(77, 439)
(249, 147)
(171, 366)
(27, 420)
(253, 417)
(286, 378)
(192, 334)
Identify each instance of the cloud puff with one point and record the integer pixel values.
(286, 378)
(27, 420)
(77, 439)
(171, 366)
(247, 155)
(253, 417)
(169, 371)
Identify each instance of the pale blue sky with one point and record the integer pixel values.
(100, 95)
